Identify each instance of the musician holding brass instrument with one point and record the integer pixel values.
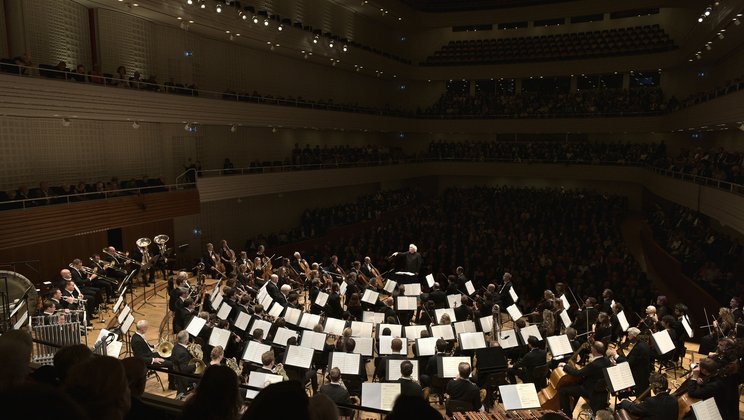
(141, 349)
(180, 357)
(143, 258)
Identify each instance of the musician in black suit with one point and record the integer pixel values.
(639, 359)
(464, 311)
(180, 359)
(523, 367)
(144, 256)
(408, 385)
(606, 305)
(592, 386)
(504, 295)
(438, 296)
(661, 406)
(142, 350)
(411, 260)
(461, 389)
(396, 345)
(336, 391)
(586, 317)
(209, 258)
(183, 315)
(709, 380)
(334, 308)
(83, 284)
(735, 306)
(272, 288)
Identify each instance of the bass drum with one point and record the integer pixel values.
(15, 285)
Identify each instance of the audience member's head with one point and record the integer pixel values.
(69, 356)
(216, 397)
(413, 407)
(289, 395)
(136, 372)
(15, 354)
(100, 386)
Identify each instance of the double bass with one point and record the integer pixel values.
(548, 396)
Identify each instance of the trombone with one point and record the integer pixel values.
(120, 255)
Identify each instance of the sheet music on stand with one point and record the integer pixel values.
(464, 327)
(687, 326)
(559, 345)
(396, 330)
(242, 321)
(123, 314)
(472, 341)
(413, 289)
(292, 315)
(406, 303)
(443, 331)
(113, 349)
(707, 409)
(313, 340)
(260, 380)
(454, 301)
(127, 324)
(619, 377)
(439, 312)
(309, 321)
(364, 346)
(526, 332)
(216, 299)
(390, 286)
(370, 297)
(469, 287)
(119, 301)
(519, 396)
(254, 350)
(195, 325)
(430, 280)
(513, 294)
(514, 311)
(385, 342)
(262, 293)
(361, 329)
(21, 321)
(380, 396)
(373, 317)
(342, 288)
(334, 326)
(426, 346)
(262, 324)
(623, 320)
(299, 356)
(104, 334)
(507, 339)
(224, 311)
(565, 318)
(348, 363)
(219, 337)
(414, 331)
(267, 301)
(392, 370)
(276, 310)
(322, 299)
(663, 342)
(486, 323)
(447, 365)
(283, 334)
(564, 299)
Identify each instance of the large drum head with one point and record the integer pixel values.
(15, 285)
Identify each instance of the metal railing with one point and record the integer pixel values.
(701, 180)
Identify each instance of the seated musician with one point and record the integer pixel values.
(336, 391)
(710, 380)
(461, 389)
(216, 356)
(523, 367)
(269, 365)
(639, 359)
(49, 310)
(408, 385)
(142, 349)
(661, 406)
(571, 334)
(431, 371)
(180, 359)
(56, 298)
(73, 298)
(396, 345)
(592, 386)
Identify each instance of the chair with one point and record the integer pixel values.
(154, 373)
(539, 376)
(457, 406)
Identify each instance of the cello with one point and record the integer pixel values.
(548, 396)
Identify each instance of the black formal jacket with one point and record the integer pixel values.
(338, 394)
(410, 388)
(593, 378)
(531, 360)
(464, 390)
(334, 309)
(181, 358)
(141, 349)
(580, 323)
(726, 393)
(659, 407)
(639, 359)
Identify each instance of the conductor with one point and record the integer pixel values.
(412, 261)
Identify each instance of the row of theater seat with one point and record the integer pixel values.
(622, 41)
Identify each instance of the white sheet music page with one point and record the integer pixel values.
(104, 333)
(390, 286)
(620, 376)
(623, 320)
(486, 323)
(370, 296)
(267, 301)
(566, 304)
(126, 325)
(224, 311)
(406, 303)
(526, 332)
(123, 314)
(292, 315)
(707, 409)
(260, 380)
(114, 349)
(119, 301)
(322, 299)
(313, 340)
(254, 350)
(299, 356)
(513, 294)
(342, 288)
(469, 287)
(663, 341)
(443, 331)
(393, 369)
(364, 346)
(507, 339)
(196, 325)
(219, 337)
(334, 326)
(519, 396)
(439, 312)
(395, 329)
(559, 345)
(348, 363)
(217, 301)
(414, 331)
(385, 342)
(687, 326)
(373, 317)
(276, 310)
(361, 329)
(284, 334)
(412, 289)
(243, 320)
(565, 318)
(514, 312)
(450, 364)
(379, 395)
(464, 327)
(430, 280)
(472, 341)
(454, 301)
(262, 293)
(427, 346)
(262, 324)
(309, 321)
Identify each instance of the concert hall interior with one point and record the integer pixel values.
(337, 209)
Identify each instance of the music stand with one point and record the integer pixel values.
(127, 282)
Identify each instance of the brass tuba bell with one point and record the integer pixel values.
(143, 242)
(161, 239)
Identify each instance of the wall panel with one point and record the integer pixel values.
(59, 33)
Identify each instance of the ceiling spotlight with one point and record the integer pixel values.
(315, 40)
(280, 27)
(266, 22)
(330, 44)
(218, 8)
(345, 48)
(189, 2)
(700, 19)
(66, 122)
(255, 19)
(233, 128)
(202, 4)
(737, 22)
(135, 125)
(242, 15)
(707, 12)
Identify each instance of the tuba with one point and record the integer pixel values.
(142, 244)
(162, 247)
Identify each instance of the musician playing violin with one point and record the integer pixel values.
(660, 406)
(708, 380)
